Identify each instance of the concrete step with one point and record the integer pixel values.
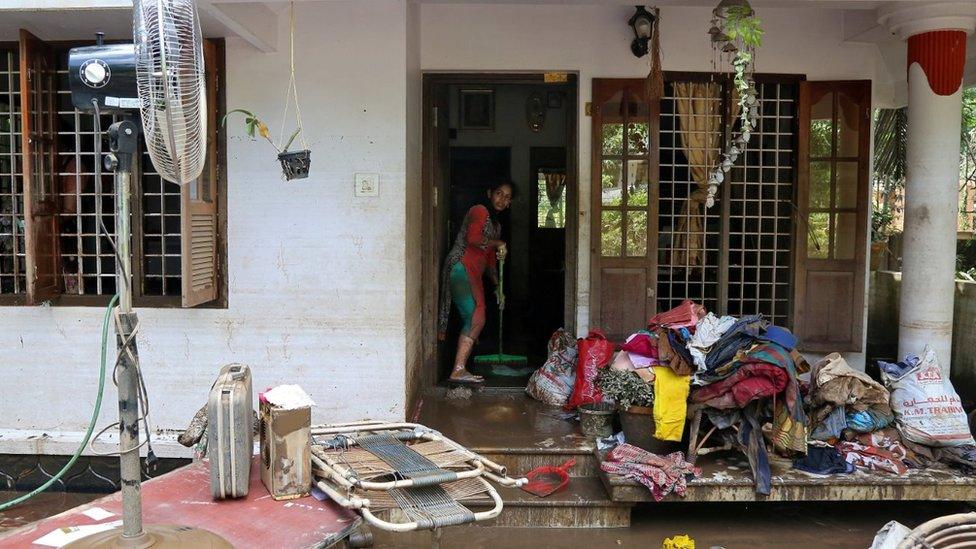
(522, 460)
(583, 503)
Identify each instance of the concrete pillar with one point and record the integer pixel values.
(936, 33)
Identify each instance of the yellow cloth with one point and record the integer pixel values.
(670, 403)
(679, 542)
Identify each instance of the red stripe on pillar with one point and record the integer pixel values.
(942, 55)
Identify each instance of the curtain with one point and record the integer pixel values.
(699, 109)
(555, 183)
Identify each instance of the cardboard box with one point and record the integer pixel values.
(286, 454)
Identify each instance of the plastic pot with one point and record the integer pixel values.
(295, 164)
(596, 419)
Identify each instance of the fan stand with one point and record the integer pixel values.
(123, 142)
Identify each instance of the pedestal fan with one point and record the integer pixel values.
(161, 75)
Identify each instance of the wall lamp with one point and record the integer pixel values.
(641, 23)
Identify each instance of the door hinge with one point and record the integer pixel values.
(650, 292)
(589, 109)
(435, 116)
(435, 197)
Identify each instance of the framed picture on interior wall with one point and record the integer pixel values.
(477, 109)
(554, 100)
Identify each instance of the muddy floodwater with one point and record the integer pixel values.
(729, 525)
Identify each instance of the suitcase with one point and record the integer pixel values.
(230, 432)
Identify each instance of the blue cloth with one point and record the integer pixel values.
(899, 369)
(822, 460)
(870, 420)
(781, 336)
(739, 336)
(832, 425)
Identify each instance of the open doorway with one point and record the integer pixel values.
(481, 130)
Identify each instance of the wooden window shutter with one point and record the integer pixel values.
(38, 103)
(832, 209)
(198, 220)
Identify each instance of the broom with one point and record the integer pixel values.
(501, 359)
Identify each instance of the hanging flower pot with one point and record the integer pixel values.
(295, 164)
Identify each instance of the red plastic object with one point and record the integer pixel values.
(593, 353)
(547, 480)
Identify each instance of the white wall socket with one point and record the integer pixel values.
(367, 184)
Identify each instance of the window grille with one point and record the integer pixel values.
(12, 259)
(745, 263)
(761, 211)
(88, 260)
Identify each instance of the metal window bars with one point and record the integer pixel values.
(12, 256)
(747, 237)
(88, 262)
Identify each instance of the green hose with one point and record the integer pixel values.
(91, 424)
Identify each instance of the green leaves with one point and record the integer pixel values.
(253, 126)
(625, 388)
(741, 23)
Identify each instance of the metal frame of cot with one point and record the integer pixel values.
(460, 473)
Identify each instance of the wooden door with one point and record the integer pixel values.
(832, 199)
(38, 93)
(623, 201)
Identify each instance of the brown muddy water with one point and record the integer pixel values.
(40, 506)
(729, 525)
(732, 526)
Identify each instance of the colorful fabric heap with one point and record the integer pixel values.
(707, 332)
(764, 372)
(720, 361)
(660, 474)
(685, 315)
(841, 397)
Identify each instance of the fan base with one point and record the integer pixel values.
(155, 536)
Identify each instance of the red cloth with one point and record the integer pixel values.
(477, 257)
(748, 383)
(642, 344)
(660, 474)
(685, 315)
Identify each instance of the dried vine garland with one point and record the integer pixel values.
(736, 33)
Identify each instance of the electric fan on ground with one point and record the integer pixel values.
(162, 76)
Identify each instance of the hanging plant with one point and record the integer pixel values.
(294, 164)
(736, 34)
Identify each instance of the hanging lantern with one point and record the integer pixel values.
(641, 23)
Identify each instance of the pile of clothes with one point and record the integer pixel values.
(857, 420)
(743, 375)
(741, 371)
(660, 474)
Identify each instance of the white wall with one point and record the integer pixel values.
(593, 41)
(316, 275)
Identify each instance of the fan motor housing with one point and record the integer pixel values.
(106, 73)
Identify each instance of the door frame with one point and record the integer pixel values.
(433, 197)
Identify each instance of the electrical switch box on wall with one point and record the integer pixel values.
(367, 184)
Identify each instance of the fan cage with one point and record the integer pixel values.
(171, 85)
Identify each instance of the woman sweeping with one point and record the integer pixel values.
(476, 250)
